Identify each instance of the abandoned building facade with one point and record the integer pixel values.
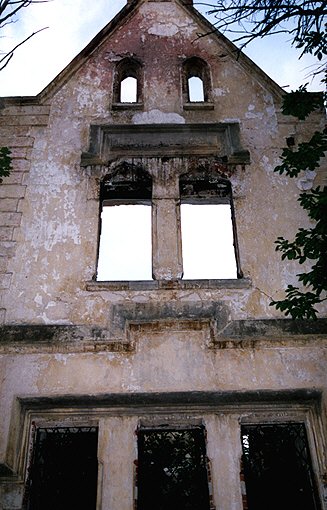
(144, 367)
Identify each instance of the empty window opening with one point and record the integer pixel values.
(209, 245)
(64, 469)
(125, 243)
(195, 89)
(207, 241)
(128, 90)
(172, 470)
(128, 82)
(196, 81)
(277, 467)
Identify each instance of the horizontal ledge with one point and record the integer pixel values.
(198, 106)
(136, 285)
(127, 106)
(155, 399)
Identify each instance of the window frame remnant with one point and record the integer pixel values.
(203, 189)
(128, 68)
(128, 185)
(57, 478)
(266, 465)
(198, 68)
(177, 479)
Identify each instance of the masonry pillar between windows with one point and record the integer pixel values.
(166, 239)
(117, 452)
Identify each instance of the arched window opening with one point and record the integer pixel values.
(196, 81)
(128, 90)
(195, 89)
(209, 245)
(125, 244)
(128, 83)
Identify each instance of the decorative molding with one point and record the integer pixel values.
(127, 319)
(109, 142)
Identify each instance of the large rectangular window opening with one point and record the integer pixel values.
(64, 469)
(209, 245)
(125, 245)
(277, 467)
(172, 469)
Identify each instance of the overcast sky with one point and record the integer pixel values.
(73, 23)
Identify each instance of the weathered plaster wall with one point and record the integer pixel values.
(156, 337)
(57, 241)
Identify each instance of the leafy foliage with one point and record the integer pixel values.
(5, 162)
(307, 156)
(300, 103)
(308, 244)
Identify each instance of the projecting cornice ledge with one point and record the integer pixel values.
(126, 320)
(111, 142)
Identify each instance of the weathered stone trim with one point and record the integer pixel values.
(128, 402)
(128, 320)
(152, 404)
(240, 283)
(109, 142)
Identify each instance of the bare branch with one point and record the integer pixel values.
(304, 20)
(14, 6)
(8, 56)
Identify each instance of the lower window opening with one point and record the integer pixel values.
(172, 470)
(277, 467)
(64, 469)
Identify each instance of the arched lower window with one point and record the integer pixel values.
(128, 82)
(196, 81)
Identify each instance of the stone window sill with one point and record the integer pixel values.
(127, 106)
(150, 285)
(198, 106)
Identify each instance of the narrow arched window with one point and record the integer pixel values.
(128, 82)
(195, 89)
(128, 90)
(196, 81)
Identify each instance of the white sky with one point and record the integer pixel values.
(73, 23)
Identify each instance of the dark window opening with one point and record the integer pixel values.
(125, 244)
(277, 467)
(172, 470)
(128, 83)
(64, 469)
(196, 81)
(209, 237)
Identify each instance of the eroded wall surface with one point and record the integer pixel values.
(64, 333)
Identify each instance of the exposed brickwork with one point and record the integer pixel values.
(16, 123)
